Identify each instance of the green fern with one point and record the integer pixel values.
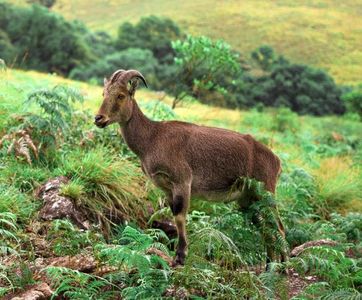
(148, 275)
(77, 285)
(214, 245)
(322, 290)
(8, 228)
(66, 239)
(56, 109)
(328, 263)
(263, 213)
(6, 283)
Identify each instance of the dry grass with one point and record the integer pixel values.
(339, 184)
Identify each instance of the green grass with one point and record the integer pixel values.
(319, 188)
(324, 33)
(304, 140)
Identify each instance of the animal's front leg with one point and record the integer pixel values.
(179, 207)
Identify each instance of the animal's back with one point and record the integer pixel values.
(218, 157)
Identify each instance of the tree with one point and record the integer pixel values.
(151, 33)
(7, 50)
(43, 40)
(303, 89)
(46, 3)
(353, 101)
(202, 65)
(132, 58)
(267, 59)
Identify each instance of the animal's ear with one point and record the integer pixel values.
(132, 86)
(105, 80)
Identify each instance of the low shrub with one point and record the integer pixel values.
(285, 120)
(158, 110)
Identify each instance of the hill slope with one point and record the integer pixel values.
(324, 33)
(321, 160)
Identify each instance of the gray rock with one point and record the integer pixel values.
(57, 206)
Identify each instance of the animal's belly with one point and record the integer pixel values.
(217, 196)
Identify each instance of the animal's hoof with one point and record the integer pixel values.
(179, 260)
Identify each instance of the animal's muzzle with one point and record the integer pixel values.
(101, 121)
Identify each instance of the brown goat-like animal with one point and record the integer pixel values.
(185, 159)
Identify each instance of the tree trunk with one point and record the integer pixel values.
(174, 102)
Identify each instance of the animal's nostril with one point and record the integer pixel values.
(97, 118)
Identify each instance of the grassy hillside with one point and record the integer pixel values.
(324, 33)
(269, 125)
(118, 254)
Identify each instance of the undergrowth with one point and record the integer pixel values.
(318, 197)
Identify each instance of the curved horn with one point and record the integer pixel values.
(116, 75)
(133, 73)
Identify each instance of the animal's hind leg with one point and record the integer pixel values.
(250, 196)
(247, 198)
(179, 207)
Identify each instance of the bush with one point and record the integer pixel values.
(353, 101)
(266, 58)
(303, 89)
(101, 43)
(46, 3)
(132, 58)
(285, 120)
(152, 33)
(202, 66)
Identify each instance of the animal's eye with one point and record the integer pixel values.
(120, 97)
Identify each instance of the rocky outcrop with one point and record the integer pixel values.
(40, 291)
(56, 206)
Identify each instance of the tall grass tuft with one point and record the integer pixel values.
(108, 189)
(338, 184)
(17, 203)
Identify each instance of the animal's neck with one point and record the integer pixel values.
(138, 131)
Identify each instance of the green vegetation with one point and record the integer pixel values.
(210, 71)
(140, 59)
(324, 33)
(43, 47)
(151, 33)
(303, 89)
(116, 240)
(202, 65)
(353, 101)
(318, 196)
